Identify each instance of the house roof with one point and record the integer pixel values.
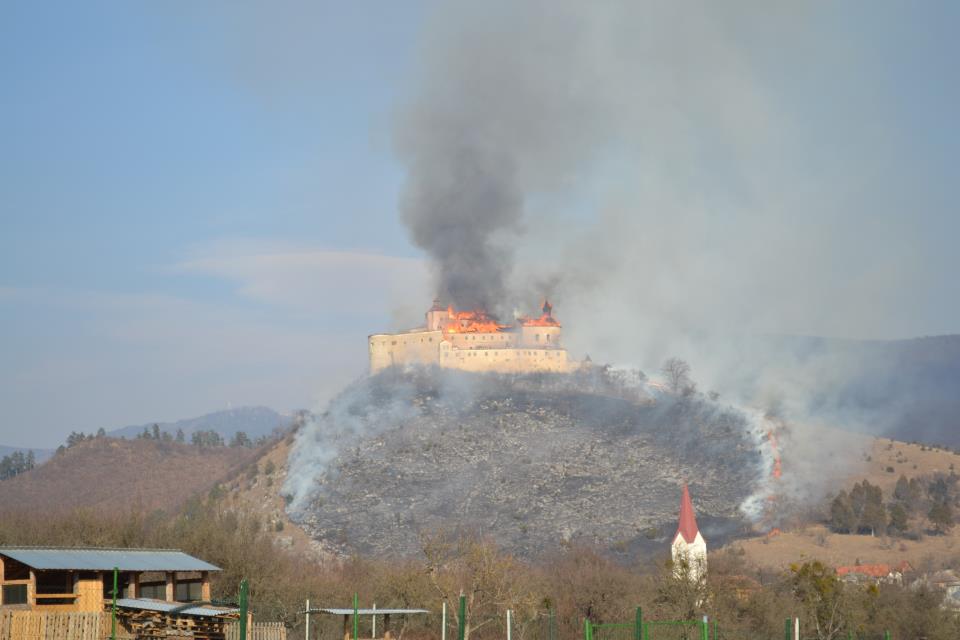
(147, 604)
(872, 570)
(106, 559)
(688, 521)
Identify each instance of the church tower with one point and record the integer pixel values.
(688, 549)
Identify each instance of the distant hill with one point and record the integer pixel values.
(254, 421)
(908, 390)
(108, 473)
(39, 454)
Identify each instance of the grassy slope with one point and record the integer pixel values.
(816, 542)
(117, 474)
(261, 494)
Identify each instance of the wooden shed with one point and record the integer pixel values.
(81, 579)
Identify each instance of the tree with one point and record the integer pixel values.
(941, 516)
(677, 374)
(817, 587)
(15, 464)
(155, 431)
(75, 438)
(101, 433)
(902, 491)
(898, 518)
(874, 515)
(842, 518)
(490, 580)
(180, 435)
(240, 439)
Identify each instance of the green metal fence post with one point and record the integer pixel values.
(462, 627)
(113, 609)
(786, 629)
(586, 629)
(356, 621)
(886, 634)
(715, 635)
(243, 608)
(638, 624)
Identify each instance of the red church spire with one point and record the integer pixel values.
(688, 521)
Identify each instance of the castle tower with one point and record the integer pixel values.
(436, 316)
(688, 549)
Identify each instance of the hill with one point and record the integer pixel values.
(881, 462)
(256, 422)
(109, 473)
(536, 461)
(908, 390)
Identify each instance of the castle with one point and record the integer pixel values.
(474, 341)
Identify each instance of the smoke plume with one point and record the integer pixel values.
(667, 173)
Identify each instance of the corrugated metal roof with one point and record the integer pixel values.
(146, 604)
(106, 559)
(368, 612)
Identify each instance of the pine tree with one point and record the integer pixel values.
(874, 515)
(941, 516)
(842, 518)
(180, 436)
(898, 518)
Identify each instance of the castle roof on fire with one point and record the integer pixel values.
(474, 340)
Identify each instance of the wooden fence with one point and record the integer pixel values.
(31, 625)
(258, 631)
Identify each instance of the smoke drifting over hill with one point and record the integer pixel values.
(664, 173)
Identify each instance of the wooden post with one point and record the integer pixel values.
(205, 586)
(32, 590)
(133, 585)
(346, 627)
(171, 586)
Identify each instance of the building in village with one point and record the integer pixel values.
(688, 548)
(879, 573)
(474, 341)
(155, 587)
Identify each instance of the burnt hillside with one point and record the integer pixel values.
(534, 461)
(107, 473)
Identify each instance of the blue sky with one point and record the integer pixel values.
(198, 201)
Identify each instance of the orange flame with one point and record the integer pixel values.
(477, 321)
(777, 470)
(546, 320)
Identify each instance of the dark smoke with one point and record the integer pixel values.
(457, 200)
(505, 110)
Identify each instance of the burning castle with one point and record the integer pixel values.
(475, 341)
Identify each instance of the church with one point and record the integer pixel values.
(688, 549)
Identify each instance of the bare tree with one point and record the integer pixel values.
(677, 374)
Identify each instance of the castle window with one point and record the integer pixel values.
(394, 343)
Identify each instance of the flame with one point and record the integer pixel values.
(476, 321)
(546, 320)
(777, 470)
